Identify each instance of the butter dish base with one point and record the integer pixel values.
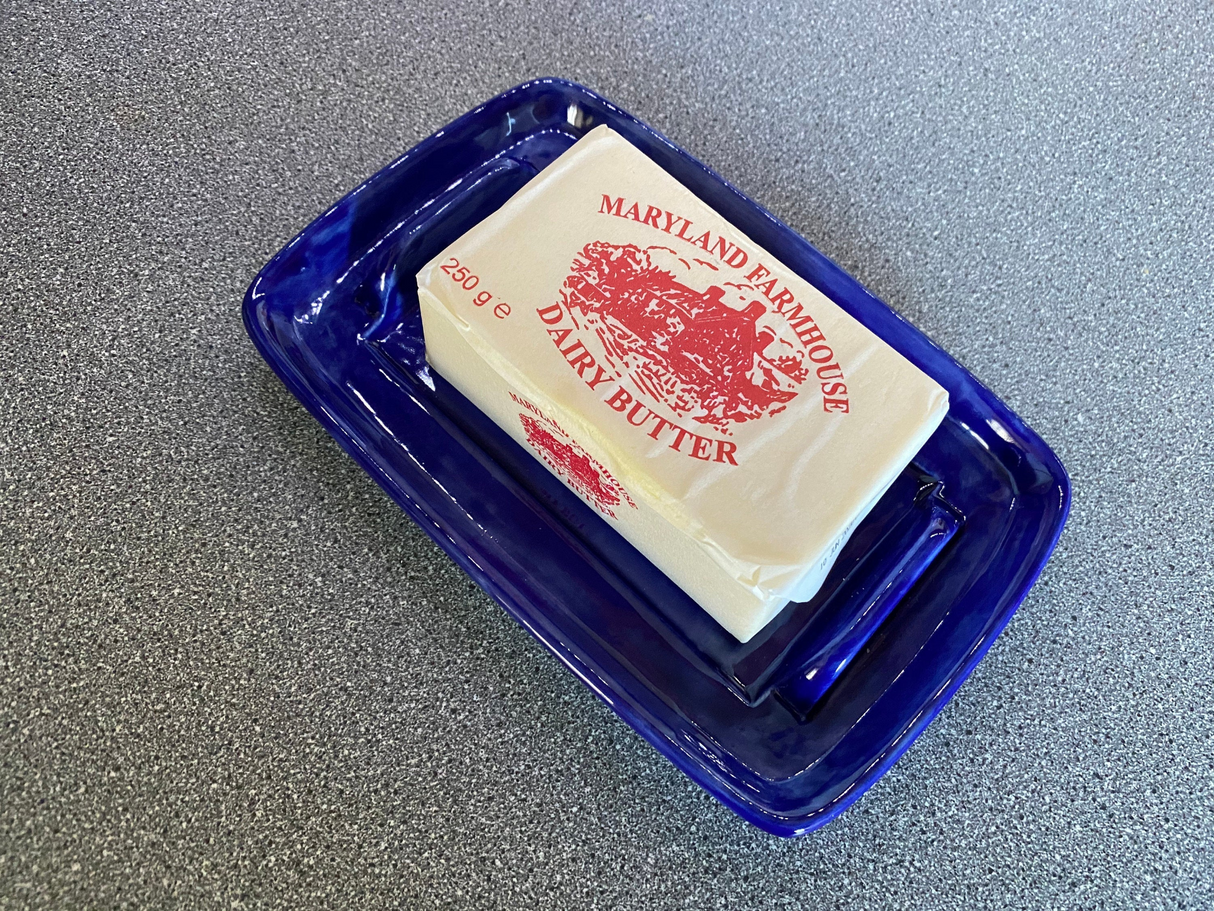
(788, 731)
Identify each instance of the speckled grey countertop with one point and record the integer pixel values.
(233, 674)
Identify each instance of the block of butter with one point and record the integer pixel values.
(720, 412)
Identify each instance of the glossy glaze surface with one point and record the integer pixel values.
(335, 315)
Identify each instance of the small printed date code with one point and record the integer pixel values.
(466, 280)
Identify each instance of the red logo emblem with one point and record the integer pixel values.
(569, 461)
(718, 355)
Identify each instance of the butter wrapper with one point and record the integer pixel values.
(729, 420)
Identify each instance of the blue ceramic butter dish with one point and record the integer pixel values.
(786, 729)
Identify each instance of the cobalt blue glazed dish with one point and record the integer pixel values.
(787, 729)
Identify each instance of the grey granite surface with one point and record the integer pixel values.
(234, 675)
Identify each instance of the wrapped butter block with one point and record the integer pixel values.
(730, 421)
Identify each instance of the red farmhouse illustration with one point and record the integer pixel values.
(570, 461)
(684, 347)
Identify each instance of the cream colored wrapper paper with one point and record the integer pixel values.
(730, 421)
